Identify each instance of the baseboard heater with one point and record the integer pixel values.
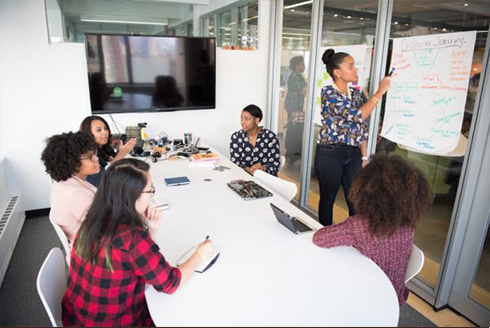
(11, 222)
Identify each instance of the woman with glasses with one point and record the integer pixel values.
(99, 129)
(254, 147)
(115, 254)
(69, 158)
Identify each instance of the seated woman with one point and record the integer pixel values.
(390, 195)
(254, 147)
(101, 132)
(115, 254)
(69, 158)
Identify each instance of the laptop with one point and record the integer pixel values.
(294, 224)
(248, 190)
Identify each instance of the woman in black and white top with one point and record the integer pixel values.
(254, 147)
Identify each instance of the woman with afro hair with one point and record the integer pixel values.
(69, 158)
(390, 195)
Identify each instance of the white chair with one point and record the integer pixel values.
(415, 263)
(282, 187)
(282, 161)
(51, 285)
(63, 239)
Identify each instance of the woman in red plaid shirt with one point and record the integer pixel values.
(114, 253)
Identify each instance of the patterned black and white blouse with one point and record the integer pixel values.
(265, 152)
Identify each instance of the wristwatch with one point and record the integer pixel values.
(365, 158)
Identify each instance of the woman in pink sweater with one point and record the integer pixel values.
(389, 196)
(69, 158)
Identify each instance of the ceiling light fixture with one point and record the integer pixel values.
(298, 4)
(115, 21)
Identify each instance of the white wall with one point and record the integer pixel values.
(44, 91)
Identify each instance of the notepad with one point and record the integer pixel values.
(205, 265)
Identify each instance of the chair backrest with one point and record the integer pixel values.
(62, 237)
(282, 187)
(415, 263)
(51, 285)
(282, 161)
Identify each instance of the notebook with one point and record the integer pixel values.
(248, 190)
(296, 225)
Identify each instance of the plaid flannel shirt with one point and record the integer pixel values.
(341, 117)
(95, 296)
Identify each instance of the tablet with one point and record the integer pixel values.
(177, 181)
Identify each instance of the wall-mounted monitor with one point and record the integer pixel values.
(150, 73)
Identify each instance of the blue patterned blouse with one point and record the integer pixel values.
(265, 152)
(341, 117)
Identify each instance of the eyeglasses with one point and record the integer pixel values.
(92, 157)
(151, 191)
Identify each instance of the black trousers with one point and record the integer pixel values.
(335, 165)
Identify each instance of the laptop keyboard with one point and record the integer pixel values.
(300, 225)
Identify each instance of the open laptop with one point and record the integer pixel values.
(248, 190)
(294, 224)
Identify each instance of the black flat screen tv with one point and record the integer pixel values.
(150, 73)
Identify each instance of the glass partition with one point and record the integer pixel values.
(422, 18)
(295, 58)
(348, 27)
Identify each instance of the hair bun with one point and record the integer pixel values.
(327, 56)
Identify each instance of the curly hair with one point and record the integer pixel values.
(390, 192)
(61, 157)
(105, 151)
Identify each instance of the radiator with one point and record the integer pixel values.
(11, 222)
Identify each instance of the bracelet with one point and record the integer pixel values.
(365, 158)
(374, 99)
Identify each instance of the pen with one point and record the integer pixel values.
(391, 72)
(207, 237)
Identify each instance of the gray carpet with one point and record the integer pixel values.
(20, 304)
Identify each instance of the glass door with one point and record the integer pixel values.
(348, 26)
(293, 87)
(444, 172)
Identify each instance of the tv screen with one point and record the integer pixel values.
(150, 73)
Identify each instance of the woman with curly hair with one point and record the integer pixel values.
(390, 195)
(99, 129)
(69, 158)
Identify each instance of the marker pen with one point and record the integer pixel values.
(391, 72)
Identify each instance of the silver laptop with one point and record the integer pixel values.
(294, 224)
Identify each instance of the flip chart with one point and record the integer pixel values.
(425, 104)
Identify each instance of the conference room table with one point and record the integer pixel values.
(265, 274)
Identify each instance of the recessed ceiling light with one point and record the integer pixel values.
(443, 29)
(361, 18)
(348, 17)
(466, 4)
(335, 15)
(396, 23)
(292, 10)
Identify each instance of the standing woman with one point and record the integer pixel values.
(341, 148)
(101, 132)
(115, 254)
(294, 107)
(254, 147)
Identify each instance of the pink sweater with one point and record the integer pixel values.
(391, 254)
(70, 201)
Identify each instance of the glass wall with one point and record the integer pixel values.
(235, 27)
(480, 289)
(347, 27)
(419, 18)
(295, 57)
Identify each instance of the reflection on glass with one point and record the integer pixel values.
(480, 289)
(295, 56)
(347, 27)
(443, 172)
